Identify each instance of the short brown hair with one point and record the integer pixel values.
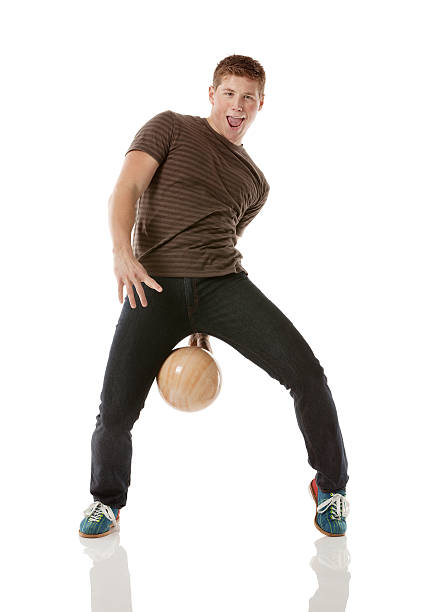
(240, 65)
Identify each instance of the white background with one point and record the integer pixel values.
(218, 515)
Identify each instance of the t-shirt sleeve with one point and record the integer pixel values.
(155, 136)
(251, 212)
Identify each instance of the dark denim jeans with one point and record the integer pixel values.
(230, 308)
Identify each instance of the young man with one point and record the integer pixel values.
(196, 189)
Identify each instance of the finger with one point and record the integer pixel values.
(206, 345)
(120, 291)
(151, 282)
(139, 288)
(130, 293)
(148, 280)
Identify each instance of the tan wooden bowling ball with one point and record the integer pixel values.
(189, 379)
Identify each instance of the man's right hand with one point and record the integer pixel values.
(128, 271)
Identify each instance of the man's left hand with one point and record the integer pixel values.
(201, 341)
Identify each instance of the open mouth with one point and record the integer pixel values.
(234, 122)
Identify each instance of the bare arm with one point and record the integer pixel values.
(121, 213)
(136, 174)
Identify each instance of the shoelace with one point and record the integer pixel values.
(341, 506)
(97, 509)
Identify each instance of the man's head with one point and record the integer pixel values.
(237, 91)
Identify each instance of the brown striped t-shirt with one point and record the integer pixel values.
(201, 197)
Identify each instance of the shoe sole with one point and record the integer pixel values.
(316, 524)
(99, 535)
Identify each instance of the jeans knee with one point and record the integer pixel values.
(314, 376)
(116, 419)
(311, 376)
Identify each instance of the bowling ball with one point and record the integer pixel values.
(189, 379)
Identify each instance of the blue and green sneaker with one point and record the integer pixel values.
(100, 520)
(332, 510)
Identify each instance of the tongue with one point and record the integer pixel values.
(234, 122)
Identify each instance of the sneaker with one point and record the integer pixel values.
(332, 510)
(100, 520)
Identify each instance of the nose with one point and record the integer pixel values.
(237, 106)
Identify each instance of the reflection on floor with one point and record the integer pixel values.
(111, 587)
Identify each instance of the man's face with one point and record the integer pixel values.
(236, 96)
